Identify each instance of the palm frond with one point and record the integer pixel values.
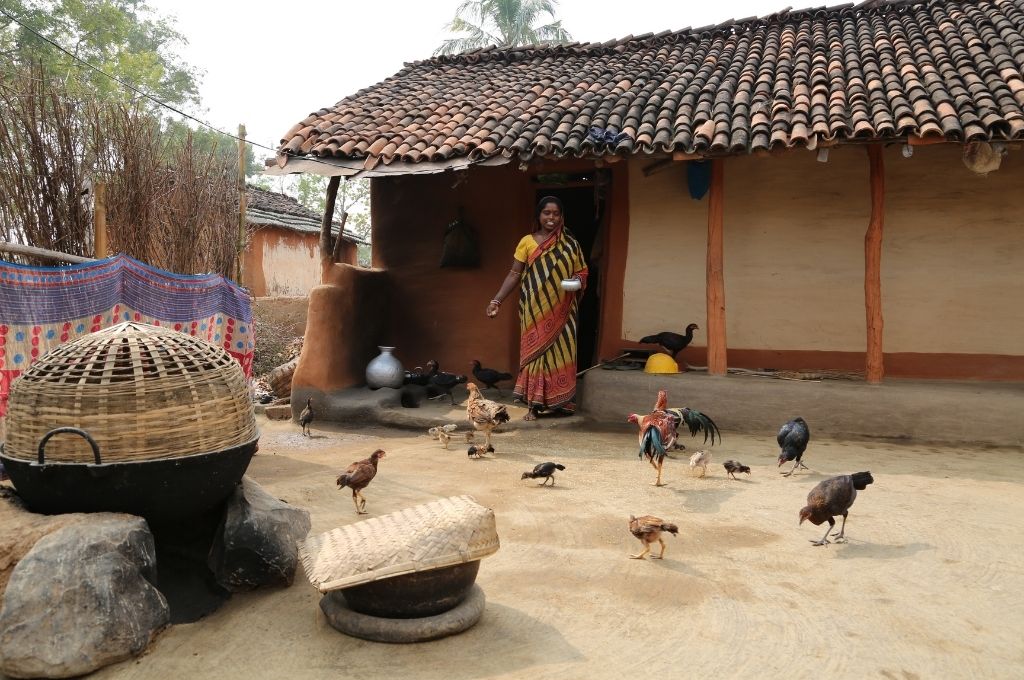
(505, 23)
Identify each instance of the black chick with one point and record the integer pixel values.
(673, 343)
(445, 383)
(545, 470)
(834, 497)
(489, 376)
(420, 377)
(306, 417)
(734, 466)
(793, 438)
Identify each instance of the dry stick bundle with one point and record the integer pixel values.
(175, 204)
(44, 141)
(169, 203)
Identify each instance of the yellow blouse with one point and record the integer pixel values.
(526, 246)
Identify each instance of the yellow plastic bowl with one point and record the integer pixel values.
(661, 363)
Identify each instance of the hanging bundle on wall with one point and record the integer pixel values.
(698, 178)
(460, 248)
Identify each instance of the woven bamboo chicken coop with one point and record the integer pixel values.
(170, 415)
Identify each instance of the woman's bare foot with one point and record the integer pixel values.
(530, 415)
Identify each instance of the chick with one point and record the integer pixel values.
(306, 418)
(700, 459)
(545, 470)
(734, 466)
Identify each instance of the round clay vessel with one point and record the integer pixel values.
(416, 595)
(385, 370)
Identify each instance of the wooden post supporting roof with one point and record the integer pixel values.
(326, 253)
(715, 272)
(873, 266)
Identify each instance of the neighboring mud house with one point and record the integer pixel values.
(283, 255)
(821, 189)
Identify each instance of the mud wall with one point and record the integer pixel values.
(794, 272)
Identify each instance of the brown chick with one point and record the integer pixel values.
(834, 497)
(648, 529)
(484, 414)
(358, 476)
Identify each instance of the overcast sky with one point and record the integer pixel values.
(269, 63)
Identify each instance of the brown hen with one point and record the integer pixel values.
(484, 414)
(358, 476)
(648, 529)
(834, 497)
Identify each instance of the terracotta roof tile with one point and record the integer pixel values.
(881, 69)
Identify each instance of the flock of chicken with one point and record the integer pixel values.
(441, 383)
(659, 433)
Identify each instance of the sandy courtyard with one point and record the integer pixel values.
(929, 585)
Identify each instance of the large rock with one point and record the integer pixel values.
(257, 543)
(81, 599)
(23, 529)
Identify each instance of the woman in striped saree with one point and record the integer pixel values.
(547, 311)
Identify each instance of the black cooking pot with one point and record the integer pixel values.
(163, 490)
(416, 595)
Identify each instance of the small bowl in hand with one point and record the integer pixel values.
(571, 284)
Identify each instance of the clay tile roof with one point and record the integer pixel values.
(883, 69)
(272, 209)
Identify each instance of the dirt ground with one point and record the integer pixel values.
(929, 585)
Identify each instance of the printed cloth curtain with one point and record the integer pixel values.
(42, 307)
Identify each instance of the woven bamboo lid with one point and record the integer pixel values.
(143, 392)
(429, 536)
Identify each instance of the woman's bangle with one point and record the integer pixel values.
(496, 302)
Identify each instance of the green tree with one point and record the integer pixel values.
(353, 198)
(124, 38)
(505, 23)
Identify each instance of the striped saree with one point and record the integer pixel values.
(547, 324)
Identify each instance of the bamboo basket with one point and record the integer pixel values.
(439, 534)
(143, 392)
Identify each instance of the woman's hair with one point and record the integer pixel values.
(544, 201)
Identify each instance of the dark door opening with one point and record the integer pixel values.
(584, 218)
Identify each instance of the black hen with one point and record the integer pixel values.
(734, 466)
(695, 422)
(420, 377)
(673, 343)
(834, 497)
(489, 376)
(793, 438)
(444, 383)
(545, 470)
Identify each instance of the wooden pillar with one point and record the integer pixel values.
(99, 221)
(326, 253)
(873, 266)
(715, 272)
(242, 203)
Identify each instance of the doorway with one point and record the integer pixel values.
(584, 196)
